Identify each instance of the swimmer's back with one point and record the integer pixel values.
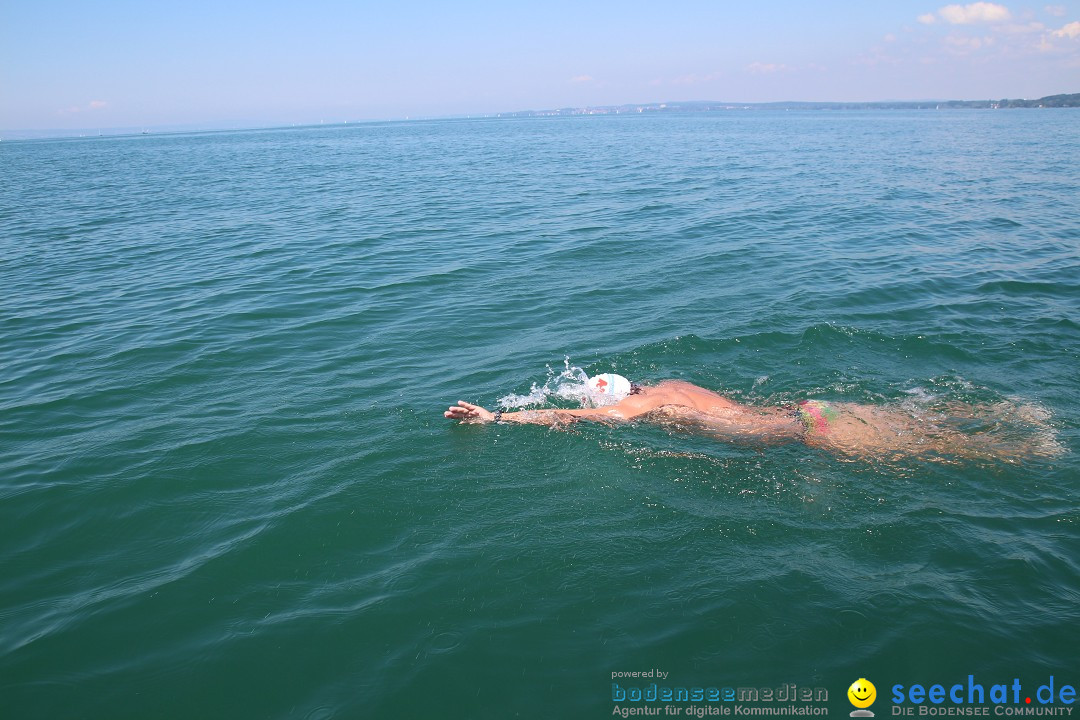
(680, 392)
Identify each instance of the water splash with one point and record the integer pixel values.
(571, 384)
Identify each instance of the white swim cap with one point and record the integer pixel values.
(610, 386)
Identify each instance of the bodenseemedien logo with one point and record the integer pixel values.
(862, 694)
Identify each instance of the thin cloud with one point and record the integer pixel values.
(695, 79)
(1071, 31)
(1017, 29)
(979, 12)
(758, 68)
(89, 107)
(981, 33)
(963, 45)
(1055, 10)
(578, 79)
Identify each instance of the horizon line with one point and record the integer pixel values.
(23, 134)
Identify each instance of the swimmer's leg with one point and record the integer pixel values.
(884, 432)
(1013, 428)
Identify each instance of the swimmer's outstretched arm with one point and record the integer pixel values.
(469, 413)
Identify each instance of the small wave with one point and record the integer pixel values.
(919, 396)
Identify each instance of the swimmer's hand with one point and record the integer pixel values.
(469, 413)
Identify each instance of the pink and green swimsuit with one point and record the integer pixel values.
(816, 415)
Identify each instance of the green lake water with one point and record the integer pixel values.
(227, 489)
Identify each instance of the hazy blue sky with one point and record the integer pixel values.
(95, 63)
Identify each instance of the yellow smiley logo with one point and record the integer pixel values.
(862, 693)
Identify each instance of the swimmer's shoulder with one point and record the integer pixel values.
(640, 403)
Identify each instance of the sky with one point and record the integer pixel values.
(87, 64)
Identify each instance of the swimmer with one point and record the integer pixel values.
(842, 428)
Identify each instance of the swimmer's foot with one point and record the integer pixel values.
(1028, 412)
(1044, 442)
(1046, 445)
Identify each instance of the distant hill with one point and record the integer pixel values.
(1050, 101)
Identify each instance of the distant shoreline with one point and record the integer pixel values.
(1050, 101)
